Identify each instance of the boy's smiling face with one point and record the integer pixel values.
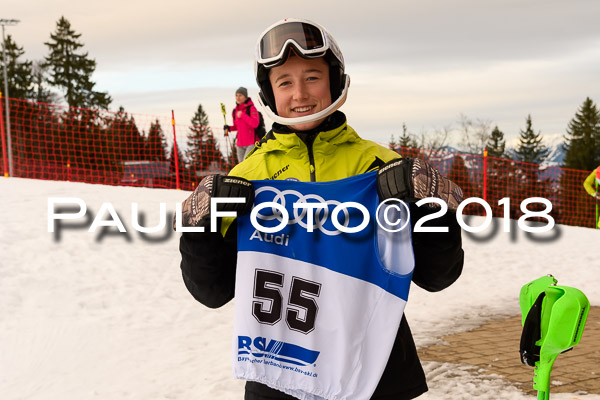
(301, 87)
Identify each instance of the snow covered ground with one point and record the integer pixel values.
(91, 315)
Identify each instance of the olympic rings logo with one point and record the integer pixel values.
(305, 210)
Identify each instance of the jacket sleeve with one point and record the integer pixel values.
(439, 256)
(208, 264)
(233, 127)
(588, 184)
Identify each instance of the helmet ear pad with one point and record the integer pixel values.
(266, 90)
(337, 80)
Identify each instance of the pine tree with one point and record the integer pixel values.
(19, 73)
(500, 171)
(407, 146)
(392, 144)
(156, 143)
(202, 149)
(527, 177)
(582, 142)
(41, 93)
(177, 168)
(530, 147)
(19, 87)
(195, 139)
(71, 69)
(124, 138)
(496, 144)
(180, 162)
(405, 140)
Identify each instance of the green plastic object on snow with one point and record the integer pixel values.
(553, 318)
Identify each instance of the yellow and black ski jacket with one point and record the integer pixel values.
(335, 153)
(331, 151)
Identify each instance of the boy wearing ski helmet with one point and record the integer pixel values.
(301, 75)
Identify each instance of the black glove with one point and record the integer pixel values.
(226, 128)
(195, 210)
(414, 179)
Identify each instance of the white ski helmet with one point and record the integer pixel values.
(309, 40)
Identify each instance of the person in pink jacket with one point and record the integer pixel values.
(245, 120)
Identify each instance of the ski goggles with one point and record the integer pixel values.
(308, 39)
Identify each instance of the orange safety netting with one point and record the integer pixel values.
(71, 144)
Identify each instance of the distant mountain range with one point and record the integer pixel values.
(553, 142)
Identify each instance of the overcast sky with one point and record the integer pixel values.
(419, 62)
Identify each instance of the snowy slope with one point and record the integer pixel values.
(86, 315)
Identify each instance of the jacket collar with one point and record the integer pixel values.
(334, 130)
(331, 133)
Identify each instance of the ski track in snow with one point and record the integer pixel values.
(92, 316)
